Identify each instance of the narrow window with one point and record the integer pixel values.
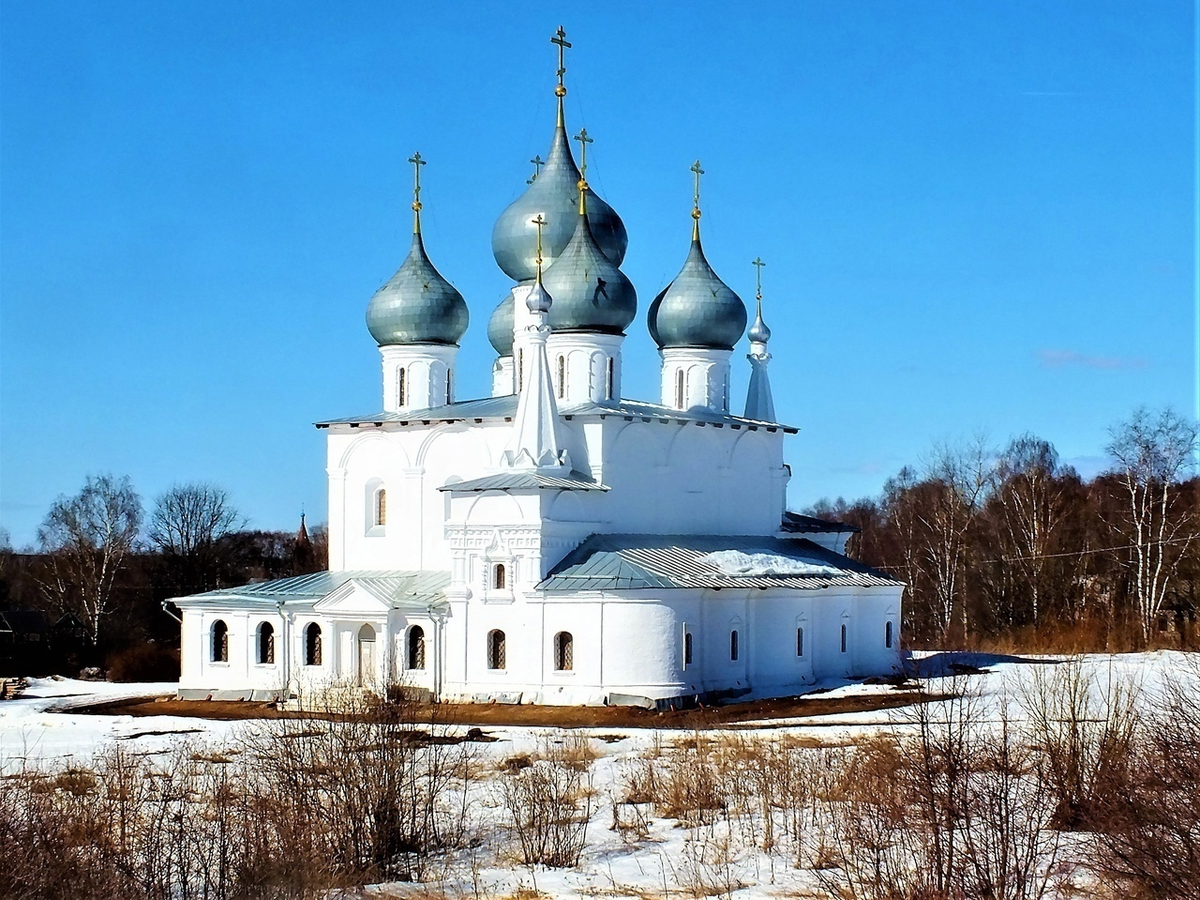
(608, 379)
(381, 507)
(266, 644)
(725, 394)
(887, 635)
(449, 387)
(562, 377)
(843, 638)
(799, 641)
(312, 645)
(220, 641)
(679, 388)
(520, 370)
(499, 578)
(402, 388)
(564, 652)
(733, 646)
(495, 649)
(687, 648)
(416, 647)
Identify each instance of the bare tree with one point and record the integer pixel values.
(187, 526)
(87, 539)
(1032, 509)
(959, 476)
(1152, 452)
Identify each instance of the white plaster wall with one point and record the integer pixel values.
(425, 368)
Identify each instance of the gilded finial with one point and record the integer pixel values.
(417, 162)
(538, 162)
(539, 223)
(584, 140)
(560, 38)
(758, 266)
(697, 172)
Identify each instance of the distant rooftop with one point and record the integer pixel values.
(794, 523)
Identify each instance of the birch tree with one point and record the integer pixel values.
(87, 539)
(1152, 453)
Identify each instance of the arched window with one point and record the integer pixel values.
(499, 577)
(220, 641)
(312, 645)
(733, 645)
(679, 388)
(266, 644)
(416, 647)
(799, 641)
(843, 638)
(381, 506)
(687, 648)
(562, 377)
(495, 649)
(564, 652)
(401, 387)
(887, 635)
(609, 378)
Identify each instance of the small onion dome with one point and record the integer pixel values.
(759, 333)
(554, 194)
(590, 293)
(500, 327)
(697, 309)
(538, 299)
(417, 305)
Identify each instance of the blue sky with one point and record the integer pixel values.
(974, 216)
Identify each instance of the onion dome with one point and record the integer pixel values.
(697, 309)
(553, 194)
(417, 305)
(500, 327)
(590, 293)
(759, 333)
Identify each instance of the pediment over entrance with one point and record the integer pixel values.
(353, 599)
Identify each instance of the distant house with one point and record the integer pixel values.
(24, 637)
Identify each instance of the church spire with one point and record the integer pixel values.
(535, 442)
(760, 405)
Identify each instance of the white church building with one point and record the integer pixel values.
(555, 542)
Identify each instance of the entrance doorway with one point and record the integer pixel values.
(366, 656)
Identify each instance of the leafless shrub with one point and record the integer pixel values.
(550, 803)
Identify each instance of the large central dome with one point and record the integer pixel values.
(554, 194)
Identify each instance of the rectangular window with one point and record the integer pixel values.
(733, 646)
(799, 641)
(843, 638)
(687, 649)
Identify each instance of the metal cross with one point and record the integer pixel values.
(696, 194)
(758, 264)
(539, 222)
(584, 140)
(417, 162)
(538, 162)
(560, 38)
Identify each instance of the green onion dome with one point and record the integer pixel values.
(417, 305)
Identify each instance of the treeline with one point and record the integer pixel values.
(1008, 548)
(90, 593)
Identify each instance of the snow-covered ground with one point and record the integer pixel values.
(40, 727)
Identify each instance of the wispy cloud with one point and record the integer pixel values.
(1057, 359)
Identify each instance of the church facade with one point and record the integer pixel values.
(555, 542)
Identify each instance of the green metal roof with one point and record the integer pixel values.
(526, 481)
(636, 561)
(398, 589)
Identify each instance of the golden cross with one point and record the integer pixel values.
(538, 162)
(584, 140)
(417, 162)
(758, 264)
(539, 223)
(560, 38)
(696, 193)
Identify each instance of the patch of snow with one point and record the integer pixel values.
(735, 562)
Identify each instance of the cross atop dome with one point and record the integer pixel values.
(417, 162)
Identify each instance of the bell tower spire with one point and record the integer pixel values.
(759, 403)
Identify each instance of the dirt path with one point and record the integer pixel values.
(753, 711)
